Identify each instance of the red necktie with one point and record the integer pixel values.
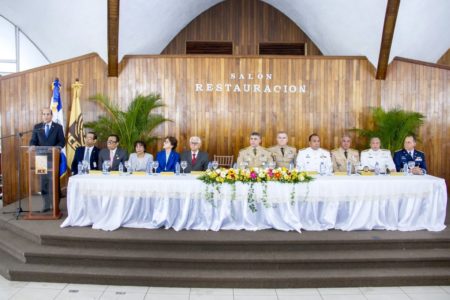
(194, 159)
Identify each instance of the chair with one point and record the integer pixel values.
(224, 160)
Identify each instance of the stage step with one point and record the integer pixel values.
(29, 252)
(41, 251)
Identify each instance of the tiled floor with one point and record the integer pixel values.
(44, 290)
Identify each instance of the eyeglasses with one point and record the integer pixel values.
(194, 143)
(111, 142)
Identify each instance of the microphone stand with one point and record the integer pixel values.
(19, 209)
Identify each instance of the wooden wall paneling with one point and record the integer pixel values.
(244, 22)
(339, 94)
(24, 94)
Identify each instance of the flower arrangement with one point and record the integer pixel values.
(231, 176)
(215, 178)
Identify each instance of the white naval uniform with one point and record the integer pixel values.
(309, 159)
(370, 157)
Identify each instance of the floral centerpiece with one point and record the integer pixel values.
(215, 178)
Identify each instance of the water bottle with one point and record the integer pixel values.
(80, 168)
(177, 169)
(235, 166)
(377, 168)
(209, 166)
(105, 168)
(121, 168)
(291, 166)
(322, 168)
(405, 169)
(149, 168)
(349, 168)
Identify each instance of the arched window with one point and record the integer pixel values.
(17, 51)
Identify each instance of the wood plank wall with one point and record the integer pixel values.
(23, 95)
(246, 23)
(424, 88)
(339, 93)
(445, 58)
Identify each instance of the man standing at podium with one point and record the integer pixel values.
(47, 133)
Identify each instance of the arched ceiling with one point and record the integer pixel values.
(64, 28)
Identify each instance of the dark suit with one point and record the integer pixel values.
(119, 157)
(174, 157)
(79, 156)
(55, 138)
(402, 156)
(201, 162)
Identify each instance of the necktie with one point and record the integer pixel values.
(111, 156)
(346, 154)
(282, 151)
(411, 153)
(194, 159)
(254, 151)
(86, 154)
(47, 130)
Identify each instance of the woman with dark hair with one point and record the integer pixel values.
(139, 160)
(168, 158)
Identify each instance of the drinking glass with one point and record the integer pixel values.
(127, 166)
(411, 165)
(215, 164)
(183, 166)
(155, 166)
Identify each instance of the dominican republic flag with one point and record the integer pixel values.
(58, 117)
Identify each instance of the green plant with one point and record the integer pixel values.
(393, 126)
(136, 123)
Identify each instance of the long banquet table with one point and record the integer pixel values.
(404, 203)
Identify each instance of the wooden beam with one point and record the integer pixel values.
(386, 40)
(113, 37)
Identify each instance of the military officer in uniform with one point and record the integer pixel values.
(409, 153)
(344, 153)
(309, 159)
(254, 156)
(373, 155)
(282, 154)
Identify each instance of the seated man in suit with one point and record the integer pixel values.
(310, 159)
(375, 155)
(409, 153)
(47, 133)
(88, 152)
(283, 154)
(113, 153)
(344, 153)
(254, 156)
(196, 160)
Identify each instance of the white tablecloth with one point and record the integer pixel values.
(403, 203)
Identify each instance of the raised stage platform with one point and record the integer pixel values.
(42, 251)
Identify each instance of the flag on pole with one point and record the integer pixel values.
(76, 130)
(58, 117)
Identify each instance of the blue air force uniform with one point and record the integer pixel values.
(402, 156)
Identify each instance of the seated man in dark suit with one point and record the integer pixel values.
(196, 160)
(47, 133)
(409, 153)
(88, 152)
(113, 153)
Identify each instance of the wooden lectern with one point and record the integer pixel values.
(43, 182)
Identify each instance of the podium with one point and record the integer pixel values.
(42, 169)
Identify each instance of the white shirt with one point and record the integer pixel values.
(370, 157)
(309, 159)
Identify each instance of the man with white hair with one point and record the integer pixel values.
(196, 160)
